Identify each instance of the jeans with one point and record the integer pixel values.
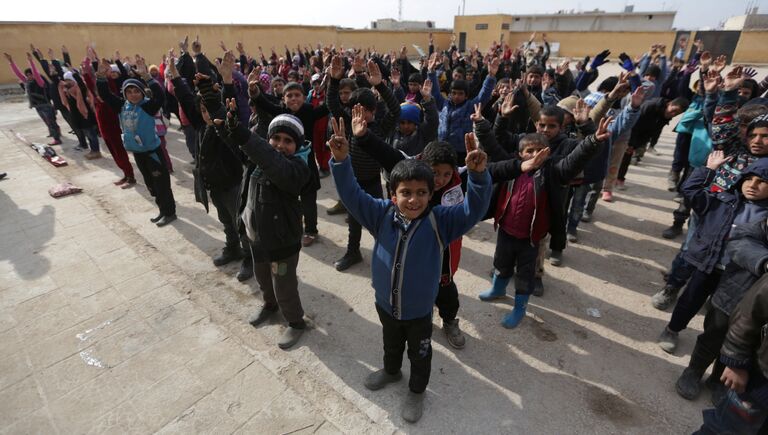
(417, 333)
(681, 270)
(48, 115)
(731, 416)
(580, 195)
(682, 147)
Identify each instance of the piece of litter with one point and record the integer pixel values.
(593, 312)
(640, 220)
(63, 189)
(91, 360)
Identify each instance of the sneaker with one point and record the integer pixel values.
(348, 260)
(93, 155)
(380, 378)
(308, 240)
(165, 220)
(688, 385)
(673, 178)
(572, 236)
(678, 198)
(668, 340)
(413, 407)
(324, 173)
(620, 185)
(586, 216)
(338, 208)
(556, 257)
(665, 297)
(261, 315)
(227, 256)
(246, 270)
(675, 230)
(607, 196)
(653, 151)
(538, 288)
(290, 337)
(455, 337)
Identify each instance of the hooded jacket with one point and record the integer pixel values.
(136, 120)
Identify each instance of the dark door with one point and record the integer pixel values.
(462, 42)
(719, 42)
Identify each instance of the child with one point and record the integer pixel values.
(137, 112)
(410, 237)
(270, 213)
(524, 207)
(36, 88)
(745, 354)
(744, 202)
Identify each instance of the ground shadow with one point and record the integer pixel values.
(22, 252)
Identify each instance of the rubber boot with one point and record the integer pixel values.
(511, 320)
(497, 290)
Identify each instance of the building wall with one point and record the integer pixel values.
(752, 47)
(482, 37)
(594, 22)
(152, 40)
(580, 44)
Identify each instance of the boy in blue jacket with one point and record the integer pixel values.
(407, 257)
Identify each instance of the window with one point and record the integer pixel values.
(505, 26)
(481, 26)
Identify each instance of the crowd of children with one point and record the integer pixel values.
(458, 138)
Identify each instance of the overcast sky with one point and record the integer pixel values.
(691, 14)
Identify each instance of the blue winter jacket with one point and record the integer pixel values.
(407, 263)
(716, 211)
(597, 168)
(454, 120)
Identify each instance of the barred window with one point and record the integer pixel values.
(481, 26)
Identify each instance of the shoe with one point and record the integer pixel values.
(348, 260)
(380, 378)
(556, 257)
(665, 297)
(93, 155)
(675, 230)
(290, 337)
(165, 220)
(455, 337)
(120, 182)
(80, 148)
(512, 319)
(586, 216)
(678, 198)
(673, 178)
(498, 289)
(607, 196)
(338, 208)
(227, 256)
(688, 385)
(261, 315)
(3, 175)
(572, 236)
(653, 151)
(620, 185)
(246, 270)
(413, 407)
(636, 161)
(157, 218)
(308, 240)
(130, 182)
(324, 173)
(538, 288)
(668, 340)
(54, 142)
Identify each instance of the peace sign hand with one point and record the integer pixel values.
(338, 142)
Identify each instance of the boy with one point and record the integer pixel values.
(524, 207)
(412, 134)
(745, 354)
(744, 202)
(137, 120)
(410, 237)
(346, 88)
(270, 213)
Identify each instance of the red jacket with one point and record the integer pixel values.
(539, 226)
(450, 194)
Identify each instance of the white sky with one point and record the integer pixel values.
(692, 14)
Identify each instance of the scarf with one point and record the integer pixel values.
(76, 93)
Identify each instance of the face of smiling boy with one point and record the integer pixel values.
(411, 198)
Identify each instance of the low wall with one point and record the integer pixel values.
(152, 40)
(752, 47)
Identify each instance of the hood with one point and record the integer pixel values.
(759, 167)
(303, 152)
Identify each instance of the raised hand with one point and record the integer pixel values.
(562, 67)
(432, 64)
(394, 77)
(508, 106)
(8, 57)
(197, 47)
(476, 159)
(359, 124)
(64, 49)
(748, 73)
(374, 73)
(546, 81)
(358, 65)
(226, 66)
(337, 67)
(223, 46)
(537, 161)
(581, 112)
(52, 56)
(638, 97)
(602, 132)
(719, 63)
(477, 115)
(734, 79)
(338, 142)
(141, 67)
(183, 44)
(622, 87)
(426, 90)
(240, 48)
(716, 159)
(253, 83)
(493, 67)
(711, 81)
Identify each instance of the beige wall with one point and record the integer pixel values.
(152, 40)
(752, 47)
(580, 44)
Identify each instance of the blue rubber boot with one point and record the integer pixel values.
(511, 320)
(497, 290)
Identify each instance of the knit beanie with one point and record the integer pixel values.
(133, 82)
(568, 103)
(289, 125)
(758, 121)
(410, 112)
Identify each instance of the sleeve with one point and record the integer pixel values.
(289, 175)
(643, 65)
(487, 141)
(748, 246)
(36, 74)
(695, 189)
(186, 66)
(601, 108)
(158, 98)
(506, 140)
(263, 104)
(399, 93)
(431, 121)
(393, 109)
(624, 122)
(439, 100)
(115, 102)
(333, 102)
(568, 167)
(745, 328)
(204, 66)
(486, 91)
(362, 206)
(455, 221)
(381, 151)
(187, 101)
(505, 170)
(22, 78)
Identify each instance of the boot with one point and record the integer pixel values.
(512, 319)
(338, 208)
(455, 337)
(227, 256)
(290, 337)
(156, 219)
(246, 270)
(380, 378)
(413, 407)
(665, 297)
(165, 220)
(348, 260)
(672, 179)
(668, 340)
(497, 290)
(688, 385)
(556, 258)
(261, 315)
(675, 230)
